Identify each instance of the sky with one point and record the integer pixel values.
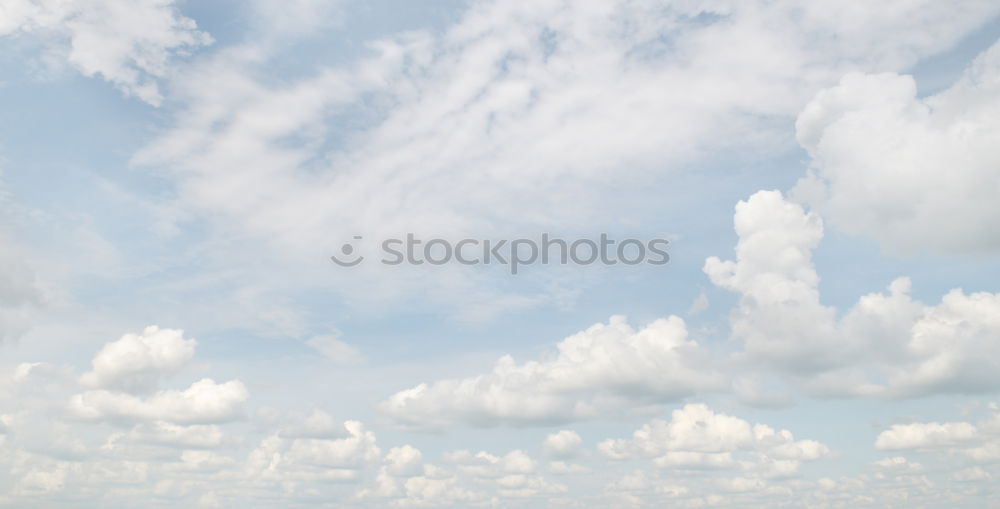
(178, 180)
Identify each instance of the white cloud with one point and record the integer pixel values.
(925, 435)
(774, 274)
(961, 451)
(699, 304)
(971, 474)
(473, 115)
(165, 433)
(607, 366)
(205, 401)
(486, 465)
(137, 362)
(898, 463)
(697, 437)
(913, 173)
(429, 492)
(694, 428)
(706, 458)
(276, 462)
(562, 444)
(318, 424)
(512, 476)
(703, 457)
(358, 447)
(565, 468)
(184, 447)
(129, 43)
(885, 345)
(465, 129)
(404, 461)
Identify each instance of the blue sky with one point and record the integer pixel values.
(175, 175)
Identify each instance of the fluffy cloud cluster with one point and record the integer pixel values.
(129, 43)
(563, 444)
(978, 442)
(887, 344)
(957, 458)
(697, 437)
(204, 401)
(461, 480)
(171, 435)
(604, 367)
(137, 362)
(177, 446)
(156, 452)
(922, 435)
(183, 448)
(187, 447)
(134, 364)
(914, 173)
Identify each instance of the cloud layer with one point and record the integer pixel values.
(310, 122)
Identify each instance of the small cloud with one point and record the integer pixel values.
(136, 362)
(564, 444)
(700, 304)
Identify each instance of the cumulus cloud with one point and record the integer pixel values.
(205, 401)
(127, 43)
(173, 435)
(513, 475)
(357, 447)
(702, 457)
(317, 424)
(137, 362)
(968, 452)
(467, 478)
(697, 437)
(606, 366)
(404, 461)
(486, 465)
(276, 461)
(980, 440)
(562, 444)
(706, 458)
(887, 344)
(925, 435)
(780, 318)
(914, 173)
(898, 463)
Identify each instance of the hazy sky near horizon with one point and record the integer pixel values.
(175, 176)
